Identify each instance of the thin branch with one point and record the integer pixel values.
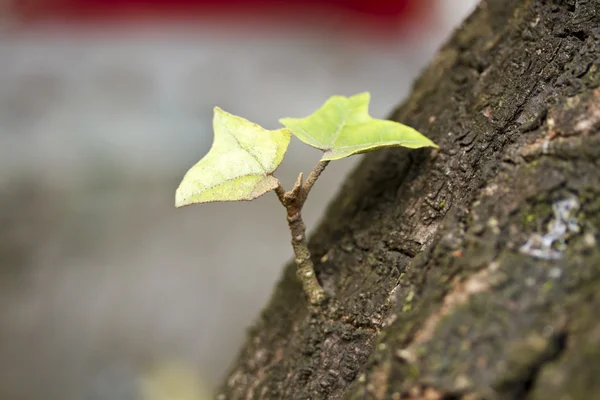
(294, 196)
(306, 268)
(312, 178)
(293, 202)
(280, 191)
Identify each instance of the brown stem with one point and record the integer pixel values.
(294, 197)
(293, 202)
(312, 178)
(280, 191)
(306, 269)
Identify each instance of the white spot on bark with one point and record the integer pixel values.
(551, 245)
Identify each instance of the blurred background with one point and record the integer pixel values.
(104, 105)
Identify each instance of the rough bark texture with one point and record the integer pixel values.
(472, 271)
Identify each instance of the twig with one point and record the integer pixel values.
(280, 193)
(293, 201)
(312, 178)
(306, 268)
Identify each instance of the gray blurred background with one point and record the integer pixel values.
(100, 276)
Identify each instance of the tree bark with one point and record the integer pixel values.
(472, 271)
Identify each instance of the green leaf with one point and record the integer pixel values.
(343, 127)
(239, 164)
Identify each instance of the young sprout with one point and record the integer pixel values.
(243, 157)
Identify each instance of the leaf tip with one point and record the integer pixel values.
(430, 143)
(221, 115)
(287, 122)
(365, 96)
(181, 200)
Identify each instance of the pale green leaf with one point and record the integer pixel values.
(239, 164)
(343, 127)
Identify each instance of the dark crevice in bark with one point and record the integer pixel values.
(525, 380)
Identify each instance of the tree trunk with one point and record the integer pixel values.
(472, 271)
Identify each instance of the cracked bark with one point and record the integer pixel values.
(433, 293)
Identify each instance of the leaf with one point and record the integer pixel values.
(343, 127)
(239, 164)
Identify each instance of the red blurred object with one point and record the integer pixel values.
(373, 14)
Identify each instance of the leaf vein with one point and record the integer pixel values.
(247, 150)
